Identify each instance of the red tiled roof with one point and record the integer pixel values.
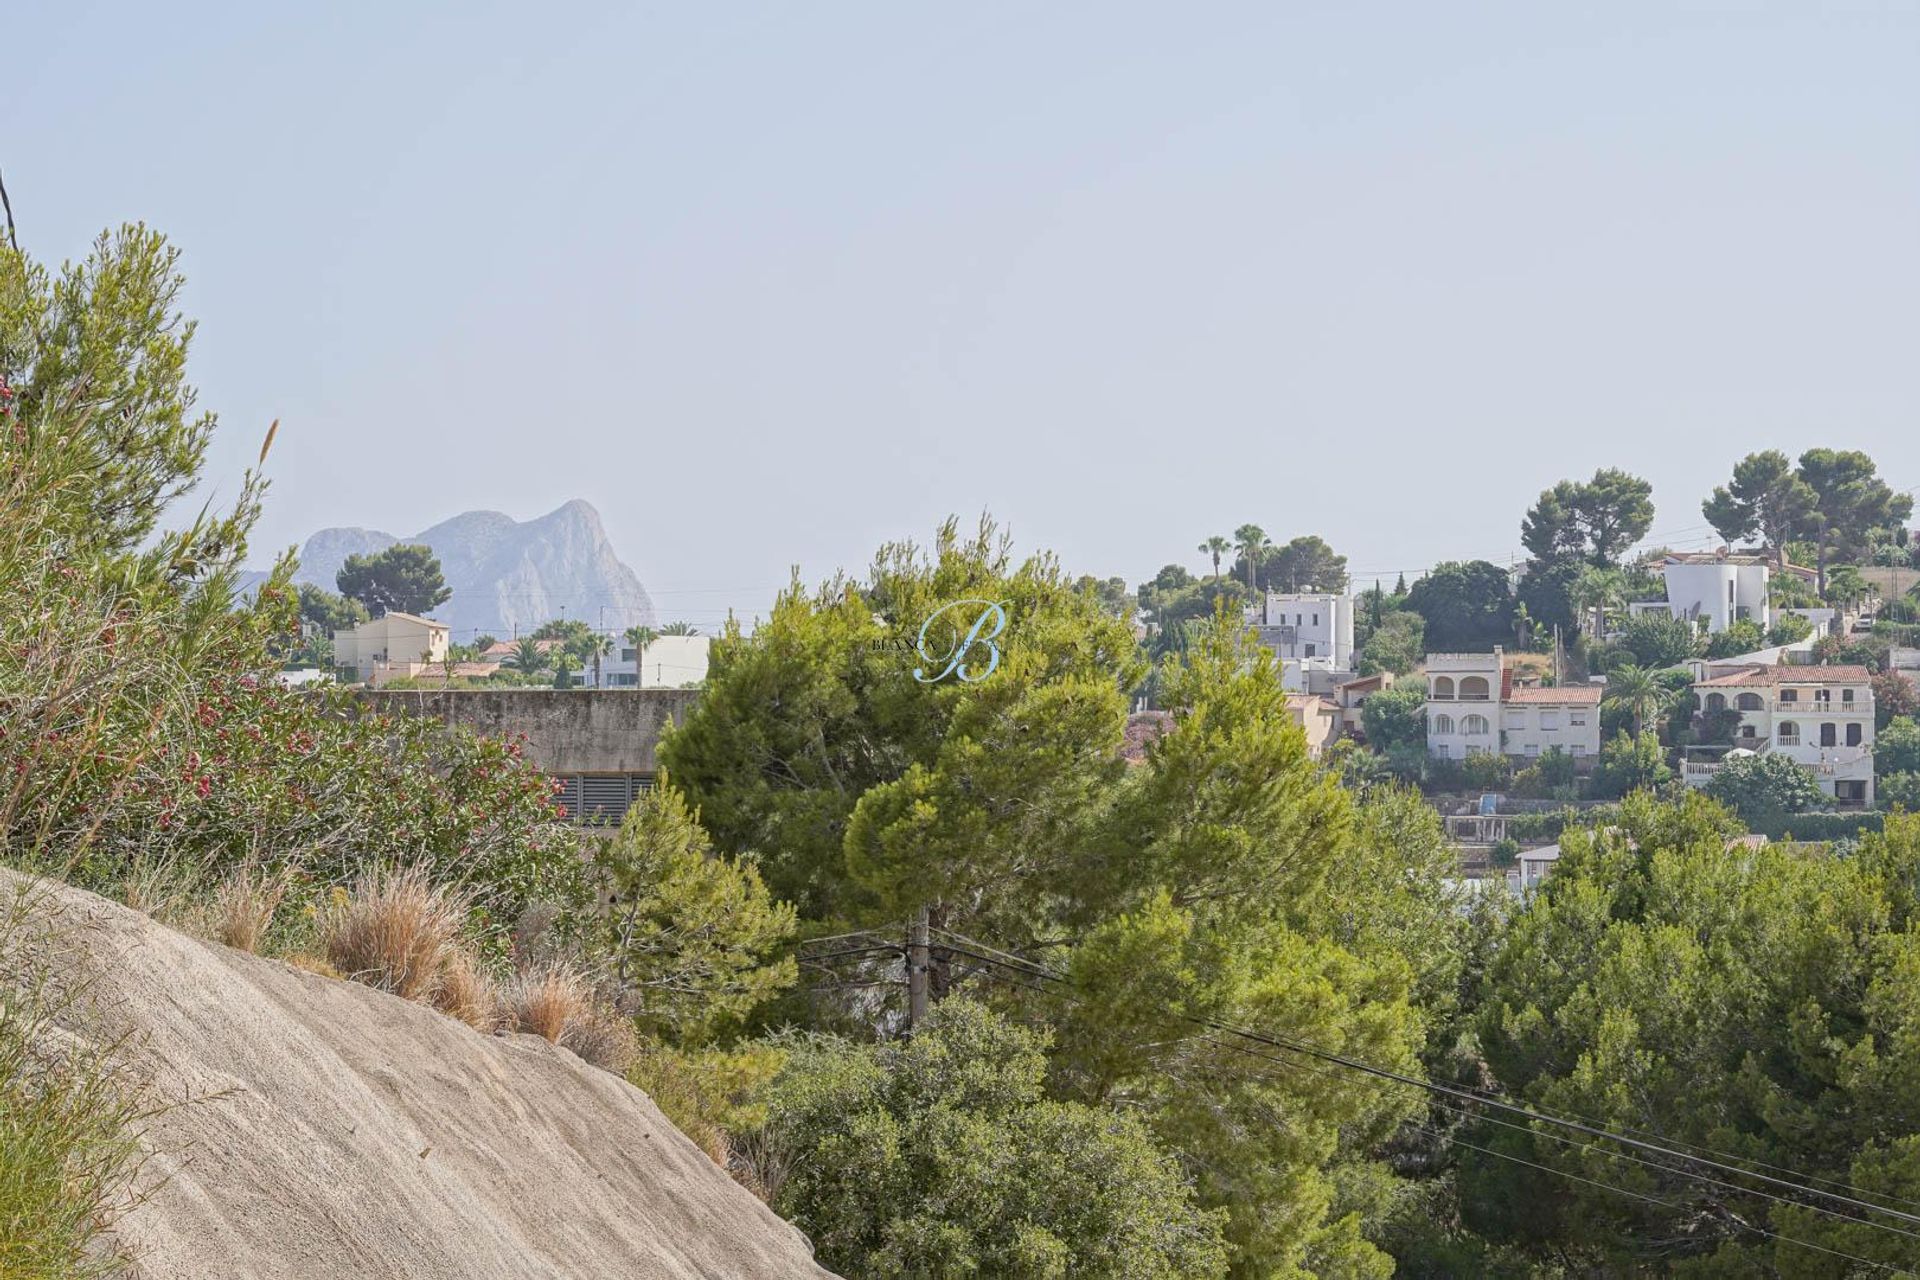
(1782, 673)
(1569, 694)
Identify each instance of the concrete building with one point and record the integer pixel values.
(1821, 718)
(1473, 707)
(599, 747)
(390, 638)
(1719, 588)
(670, 662)
(1302, 625)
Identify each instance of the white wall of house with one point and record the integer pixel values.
(392, 637)
(670, 662)
(1463, 704)
(1531, 729)
(1307, 625)
(1721, 592)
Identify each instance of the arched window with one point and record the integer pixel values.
(1748, 702)
(1443, 687)
(1716, 703)
(1443, 724)
(1474, 687)
(1471, 725)
(1853, 734)
(1789, 734)
(1829, 734)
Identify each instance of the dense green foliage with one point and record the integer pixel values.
(1761, 788)
(1760, 1003)
(943, 1156)
(1658, 639)
(402, 579)
(1467, 604)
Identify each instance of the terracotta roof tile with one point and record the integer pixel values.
(1785, 674)
(1568, 694)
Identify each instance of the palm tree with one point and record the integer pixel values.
(679, 629)
(527, 657)
(1601, 591)
(640, 638)
(1846, 587)
(601, 646)
(1252, 541)
(1216, 546)
(1640, 692)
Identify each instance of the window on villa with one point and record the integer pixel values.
(1853, 734)
(1516, 719)
(1549, 720)
(1789, 695)
(1309, 652)
(1823, 695)
(1443, 687)
(1578, 719)
(1474, 725)
(1578, 749)
(1748, 702)
(1443, 724)
(1829, 735)
(1846, 695)
(1474, 687)
(1316, 619)
(1789, 734)
(627, 655)
(1533, 748)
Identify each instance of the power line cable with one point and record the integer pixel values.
(1314, 1051)
(1771, 1234)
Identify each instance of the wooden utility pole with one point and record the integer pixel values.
(919, 956)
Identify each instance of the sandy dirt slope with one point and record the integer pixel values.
(323, 1129)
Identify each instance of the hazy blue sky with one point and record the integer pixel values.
(768, 286)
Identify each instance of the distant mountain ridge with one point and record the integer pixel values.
(507, 574)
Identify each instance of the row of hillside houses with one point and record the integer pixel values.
(399, 645)
(1820, 717)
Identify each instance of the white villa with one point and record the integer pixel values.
(670, 662)
(1473, 707)
(391, 640)
(1721, 588)
(1821, 718)
(1301, 625)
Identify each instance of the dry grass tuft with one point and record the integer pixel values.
(312, 963)
(603, 1038)
(547, 999)
(244, 906)
(467, 992)
(556, 1003)
(397, 931)
(156, 886)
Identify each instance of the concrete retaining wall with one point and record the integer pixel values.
(567, 730)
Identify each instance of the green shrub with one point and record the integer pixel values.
(1896, 749)
(1660, 639)
(68, 1145)
(1765, 790)
(1899, 790)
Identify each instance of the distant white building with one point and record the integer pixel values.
(1473, 707)
(1821, 718)
(1301, 625)
(392, 638)
(670, 662)
(1721, 589)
